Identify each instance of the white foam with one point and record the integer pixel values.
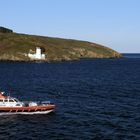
(26, 113)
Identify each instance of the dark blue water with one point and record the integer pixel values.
(95, 98)
(133, 55)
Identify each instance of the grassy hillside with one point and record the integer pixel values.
(14, 46)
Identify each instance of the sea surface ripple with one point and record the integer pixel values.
(95, 98)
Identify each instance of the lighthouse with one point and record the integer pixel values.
(38, 54)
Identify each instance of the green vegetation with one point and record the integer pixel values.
(15, 46)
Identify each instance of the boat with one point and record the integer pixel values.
(11, 105)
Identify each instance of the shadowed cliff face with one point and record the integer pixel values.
(15, 46)
(5, 30)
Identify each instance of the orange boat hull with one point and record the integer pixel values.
(28, 108)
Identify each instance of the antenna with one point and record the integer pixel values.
(9, 94)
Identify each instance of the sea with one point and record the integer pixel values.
(96, 99)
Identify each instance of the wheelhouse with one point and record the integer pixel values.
(10, 102)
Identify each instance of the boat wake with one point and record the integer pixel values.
(26, 113)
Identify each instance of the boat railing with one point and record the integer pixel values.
(28, 103)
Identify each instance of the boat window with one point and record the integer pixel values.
(15, 100)
(11, 100)
(1, 100)
(5, 100)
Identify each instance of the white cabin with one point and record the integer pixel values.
(38, 55)
(9, 102)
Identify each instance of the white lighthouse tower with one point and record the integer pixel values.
(38, 54)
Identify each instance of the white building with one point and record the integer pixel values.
(38, 55)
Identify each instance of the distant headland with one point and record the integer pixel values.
(18, 47)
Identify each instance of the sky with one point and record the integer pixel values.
(113, 23)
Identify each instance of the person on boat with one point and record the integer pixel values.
(2, 96)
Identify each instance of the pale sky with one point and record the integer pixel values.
(114, 23)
